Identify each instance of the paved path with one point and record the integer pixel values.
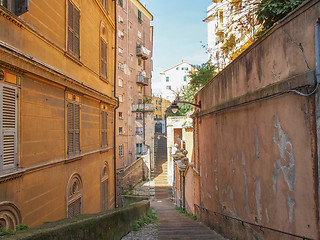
(175, 225)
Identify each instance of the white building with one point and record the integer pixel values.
(231, 29)
(174, 79)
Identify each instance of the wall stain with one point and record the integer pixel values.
(243, 162)
(258, 198)
(256, 142)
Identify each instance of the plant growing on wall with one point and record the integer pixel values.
(229, 45)
(271, 11)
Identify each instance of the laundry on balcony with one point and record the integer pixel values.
(142, 52)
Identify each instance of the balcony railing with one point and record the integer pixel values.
(143, 52)
(142, 107)
(142, 80)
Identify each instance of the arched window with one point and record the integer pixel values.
(105, 187)
(10, 216)
(74, 196)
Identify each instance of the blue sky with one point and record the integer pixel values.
(178, 32)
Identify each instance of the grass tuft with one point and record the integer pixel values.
(145, 220)
(190, 215)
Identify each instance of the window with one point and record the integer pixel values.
(139, 115)
(120, 115)
(16, 7)
(177, 68)
(120, 19)
(120, 82)
(139, 16)
(167, 79)
(121, 150)
(120, 2)
(120, 34)
(140, 89)
(139, 130)
(187, 69)
(139, 62)
(103, 58)
(168, 87)
(138, 148)
(105, 187)
(182, 68)
(120, 98)
(104, 127)
(8, 127)
(120, 51)
(131, 57)
(139, 35)
(73, 125)
(74, 196)
(73, 30)
(185, 78)
(105, 4)
(120, 66)
(121, 130)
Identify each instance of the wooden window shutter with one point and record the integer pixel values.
(70, 128)
(21, 6)
(104, 132)
(76, 39)
(73, 30)
(70, 27)
(8, 126)
(73, 126)
(103, 58)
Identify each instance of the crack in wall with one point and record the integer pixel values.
(299, 45)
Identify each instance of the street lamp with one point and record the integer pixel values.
(174, 106)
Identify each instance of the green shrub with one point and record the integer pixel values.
(145, 220)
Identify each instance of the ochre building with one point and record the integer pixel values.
(57, 109)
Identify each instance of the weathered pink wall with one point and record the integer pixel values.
(258, 159)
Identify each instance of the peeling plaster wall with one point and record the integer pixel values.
(257, 160)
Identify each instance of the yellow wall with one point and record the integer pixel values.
(33, 52)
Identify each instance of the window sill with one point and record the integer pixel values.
(72, 159)
(106, 149)
(105, 80)
(73, 58)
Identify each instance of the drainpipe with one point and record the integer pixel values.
(317, 102)
(115, 110)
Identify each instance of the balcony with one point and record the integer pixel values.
(142, 80)
(143, 52)
(147, 107)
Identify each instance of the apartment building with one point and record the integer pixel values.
(232, 26)
(57, 109)
(135, 124)
(160, 106)
(175, 79)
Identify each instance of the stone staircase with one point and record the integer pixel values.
(160, 173)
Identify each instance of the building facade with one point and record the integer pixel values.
(160, 106)
(134, 65)
(175, 79)
(231, 29)
(57, 109)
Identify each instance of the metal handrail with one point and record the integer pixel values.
(253, 224)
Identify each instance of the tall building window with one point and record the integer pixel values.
(104, 127)
(105, 4)
(73, 30)
(167, 79)
(139, 16)
(168, 87)
(120, 2)
(73, 125)
(185, 78)
(121, 150)
(139, 130)
(8, 127)
(103, 59)
(121, 130)
(120, 115)
(139, 115)
(120, 98)
(120, 82)
(120, 51)
(74, 196)
(139, 148)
